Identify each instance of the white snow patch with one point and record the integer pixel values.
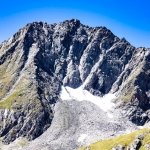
(105, 103)
(5, 116)
(5, 113)
(82, 138)
(141, 127)
(110, 115)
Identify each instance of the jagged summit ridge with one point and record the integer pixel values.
(41, 58)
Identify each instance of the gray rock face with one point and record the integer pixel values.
(137, 143)
(40, 58)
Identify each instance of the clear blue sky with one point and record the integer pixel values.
(125, 18)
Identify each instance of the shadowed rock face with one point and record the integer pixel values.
(40, 58)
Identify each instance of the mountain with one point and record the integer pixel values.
(72, 84)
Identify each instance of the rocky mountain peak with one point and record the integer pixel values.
(41, 59)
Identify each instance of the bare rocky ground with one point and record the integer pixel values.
(76, 124)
